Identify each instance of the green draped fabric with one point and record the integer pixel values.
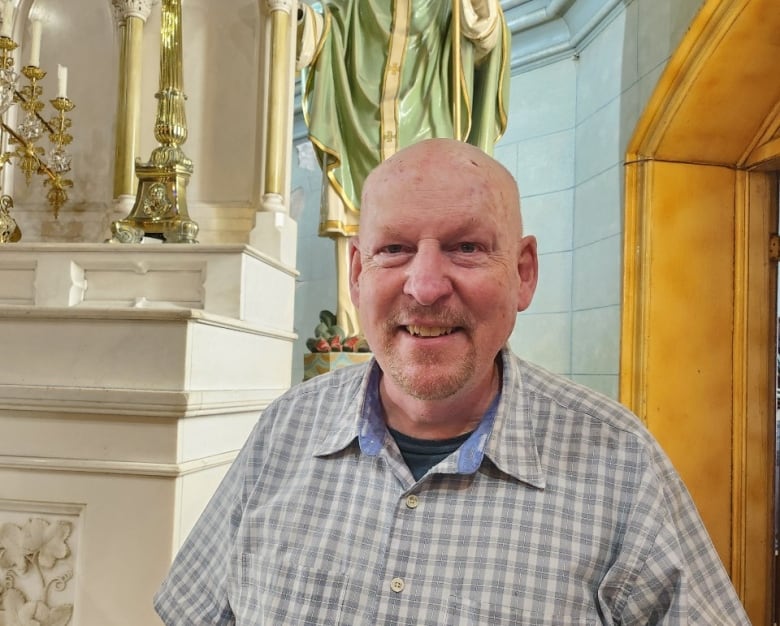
(343, 89)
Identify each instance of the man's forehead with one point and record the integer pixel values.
(433, 190)
(442, 222)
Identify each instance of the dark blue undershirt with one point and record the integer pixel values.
(422, 454)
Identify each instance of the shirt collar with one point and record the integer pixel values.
(505, 435)
(512, 444)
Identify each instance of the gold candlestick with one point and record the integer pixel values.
(31, 127)
(59, 158)
(8, 76)
(9, 229)
(160, 208)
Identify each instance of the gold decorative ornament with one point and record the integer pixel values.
(30, 157)
(160, 209)
(59, 158)
(9, 229)
(31, 128)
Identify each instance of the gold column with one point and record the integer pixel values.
(160, 209)
(278, 103)
(274, 232)
(131, 15)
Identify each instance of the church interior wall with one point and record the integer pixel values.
(605, 67)
(538, 148)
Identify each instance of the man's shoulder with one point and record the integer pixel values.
(568, 417)
(325, 394)
(542, 386)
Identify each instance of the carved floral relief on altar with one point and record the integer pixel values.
(36, 569)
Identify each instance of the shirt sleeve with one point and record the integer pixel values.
(668, 572)
(195, 590)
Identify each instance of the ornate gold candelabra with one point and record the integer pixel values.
(31, 157)
(59, 158)
(160, 208)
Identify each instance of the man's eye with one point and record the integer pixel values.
(467, 246)
(393, 248)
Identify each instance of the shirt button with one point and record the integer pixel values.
(397, 585)
(412, 501)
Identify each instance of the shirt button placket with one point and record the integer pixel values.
(397, 585)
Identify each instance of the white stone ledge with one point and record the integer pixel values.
(122, 438)
(228, 280)
(147, 313)
(147, 249)
(134, 402)
(133, 468)
(169, 350)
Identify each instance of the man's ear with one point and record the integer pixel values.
(355, 268)
(527, 271)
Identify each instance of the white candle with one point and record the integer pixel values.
(62, 81)
(35, 43)
(8, 18)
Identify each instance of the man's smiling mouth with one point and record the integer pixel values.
(429, 331)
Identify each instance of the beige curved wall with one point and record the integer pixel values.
(698, 343)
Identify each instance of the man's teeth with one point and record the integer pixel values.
(429, 331)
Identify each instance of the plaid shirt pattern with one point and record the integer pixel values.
(560, 509)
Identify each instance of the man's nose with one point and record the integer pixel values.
(427, 277)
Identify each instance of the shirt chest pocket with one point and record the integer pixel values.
(273, 593)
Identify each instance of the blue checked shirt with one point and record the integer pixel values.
(560, 509)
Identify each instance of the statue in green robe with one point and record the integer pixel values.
(379, 75)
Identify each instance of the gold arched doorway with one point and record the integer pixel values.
(699, 302)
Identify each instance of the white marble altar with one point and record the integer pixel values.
(130, 375)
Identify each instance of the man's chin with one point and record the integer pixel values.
(424, 384)
(427, 374)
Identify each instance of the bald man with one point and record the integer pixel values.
(447, 481)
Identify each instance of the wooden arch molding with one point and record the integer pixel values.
(699, 288)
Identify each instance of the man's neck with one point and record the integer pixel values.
(437, 419)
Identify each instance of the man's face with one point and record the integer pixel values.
(439, 273)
